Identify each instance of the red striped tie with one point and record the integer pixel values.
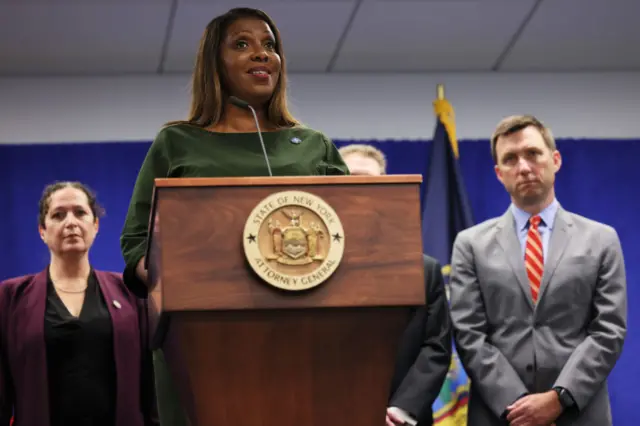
(533, 257)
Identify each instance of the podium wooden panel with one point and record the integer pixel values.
(246, 353)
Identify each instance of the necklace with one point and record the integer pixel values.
(70, 291)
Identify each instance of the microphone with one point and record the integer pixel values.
(245, 105)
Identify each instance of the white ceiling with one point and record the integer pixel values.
(102, 37)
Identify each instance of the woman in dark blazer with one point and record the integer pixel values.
(73, 340)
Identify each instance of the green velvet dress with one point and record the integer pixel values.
(187, 151)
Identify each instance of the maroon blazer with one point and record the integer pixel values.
(23, 365)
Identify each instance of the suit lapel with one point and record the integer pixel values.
(508, 240)
(119, 309)
(35, 362)
(560, 237)
(113, 305)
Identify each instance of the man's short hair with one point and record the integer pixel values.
(514, 123)
(366, 151)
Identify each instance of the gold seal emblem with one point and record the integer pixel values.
(293, 240)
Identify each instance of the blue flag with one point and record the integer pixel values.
(446, 212)
(446, 206)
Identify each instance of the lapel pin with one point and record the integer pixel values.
(117, 304)
(296, 140)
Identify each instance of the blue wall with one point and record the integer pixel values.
(599, 179)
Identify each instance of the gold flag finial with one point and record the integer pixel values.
(444, 111)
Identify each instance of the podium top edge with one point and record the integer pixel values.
(287, 180)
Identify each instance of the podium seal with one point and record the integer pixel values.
(293, 240)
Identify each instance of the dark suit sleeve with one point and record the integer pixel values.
(421, 385)
(6, 386)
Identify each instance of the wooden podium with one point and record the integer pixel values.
(246, 353)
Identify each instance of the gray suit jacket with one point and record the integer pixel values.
(571, 338)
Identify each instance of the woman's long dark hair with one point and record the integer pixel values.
(208, 92)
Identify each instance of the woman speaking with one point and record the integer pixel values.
(240, 64)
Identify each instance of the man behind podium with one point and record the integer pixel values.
(424, 356)
(538, 296)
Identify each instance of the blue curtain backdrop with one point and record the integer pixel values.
(599, 179)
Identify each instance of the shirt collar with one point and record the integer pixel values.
(548, 215)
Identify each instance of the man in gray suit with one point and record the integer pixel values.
(538, 296)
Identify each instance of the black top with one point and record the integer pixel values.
(80, 360)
